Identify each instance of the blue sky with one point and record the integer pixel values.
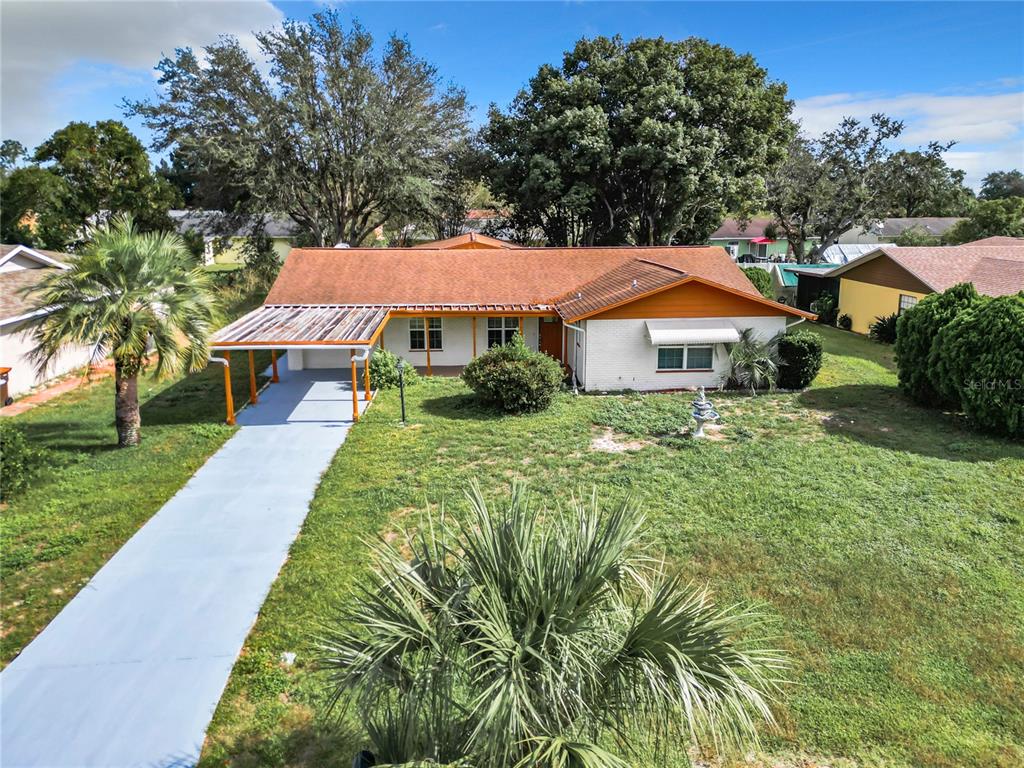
(952, 71)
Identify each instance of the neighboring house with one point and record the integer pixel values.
(888, 230)
(225, 234)
(21, 268)
(619, 318)
(892, 279)
(469, 240)
(844, 253)
(787, 280)
(749, 242)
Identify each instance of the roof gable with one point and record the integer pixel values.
(470, 240)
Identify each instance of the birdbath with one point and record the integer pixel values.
(703, 410)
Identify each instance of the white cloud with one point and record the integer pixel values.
(988, 127)
(54, 52)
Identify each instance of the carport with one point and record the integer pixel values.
(283, 327)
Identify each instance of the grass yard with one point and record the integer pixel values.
(884, 542)
(90, 497)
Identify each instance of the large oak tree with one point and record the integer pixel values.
(333, 134)
(647, 142)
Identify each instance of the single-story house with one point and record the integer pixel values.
(21, 268)
(844, 253)
(799, 284)
(224, 234)
(618, 318)
(891, 279)
(887, 230)
(749, 242)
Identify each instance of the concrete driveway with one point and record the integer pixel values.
(129, 673)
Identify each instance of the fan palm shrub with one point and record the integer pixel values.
(133, 295)
(755, 363)
(511, 640)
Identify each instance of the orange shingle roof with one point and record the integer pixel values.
(532, 276)
(631, 280)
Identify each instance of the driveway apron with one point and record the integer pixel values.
(130, 672)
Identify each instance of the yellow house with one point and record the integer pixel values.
(891, 279)
(224, 234)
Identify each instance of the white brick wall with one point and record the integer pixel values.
(620, 356)
(456, 337)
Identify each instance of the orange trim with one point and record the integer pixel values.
(252, 378)
(273, 362)
(471, 311)
(227, 394)
(786, 309)
(355, 387)
(521, 326)
(284, 343)
(565, 343)
(366, 378)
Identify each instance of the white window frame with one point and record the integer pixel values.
(900, 309)
(426, 326)
(686, 358)
(508, 328)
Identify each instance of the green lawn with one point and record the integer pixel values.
(90, 497)
(883, 541)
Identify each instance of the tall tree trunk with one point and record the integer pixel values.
(126, 403)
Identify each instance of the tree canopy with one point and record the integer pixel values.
(1000, 184)
(335, 135)
(830, 184)
(81, 176)
(989, 218)
(921, 183)
(646, 142)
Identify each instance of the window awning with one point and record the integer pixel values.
(760, 240)
(673, 332)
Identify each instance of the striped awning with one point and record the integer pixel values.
(284, 325)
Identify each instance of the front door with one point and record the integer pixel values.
(551, 337)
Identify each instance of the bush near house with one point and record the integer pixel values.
(18, 460)
(514, 378)
(916, 349)
(755, 363)
(761, 280)
(799, 359)
(826, 308)
(845, 322)
(384, 370)
(883, 330)
(982, 359)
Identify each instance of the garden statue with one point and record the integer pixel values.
(703, 410)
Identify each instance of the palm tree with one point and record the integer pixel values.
(507, 641)
(755, 363)
(133, 296)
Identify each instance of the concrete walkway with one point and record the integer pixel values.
(129, 673)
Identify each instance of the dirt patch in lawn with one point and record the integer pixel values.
(608, 441)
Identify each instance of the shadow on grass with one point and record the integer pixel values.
(461, 406)
(881, 416)
(199, 397)
(316, 743)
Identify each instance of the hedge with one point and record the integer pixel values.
(384, 370)
(799, 359)
(761, 280)
(514, 378)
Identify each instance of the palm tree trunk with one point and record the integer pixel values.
(126, 404)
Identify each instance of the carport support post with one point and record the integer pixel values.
(366, 377)
(273, 362)
(252, 378)
(227, 389)
(355, 387)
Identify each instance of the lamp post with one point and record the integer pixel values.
(401, 387)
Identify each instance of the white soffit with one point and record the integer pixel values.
(675, 332)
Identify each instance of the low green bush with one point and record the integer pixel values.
(799, 359)
(845, 322)
(916, 349)
(761, 280)
(18, 460)
(384, 370)
(514, 378)
(981, 351)
(884, 328)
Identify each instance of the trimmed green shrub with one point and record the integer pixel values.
(799, 359)
(18, 460)
(514, 378)
(845, 322)
(982, 355)
(384, 370)
(916, 348)
(826, 308)
(761, 280)
(884, 328)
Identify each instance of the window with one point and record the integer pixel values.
(906, 302)
(500, 330)
(417, 329)
(685, 358)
